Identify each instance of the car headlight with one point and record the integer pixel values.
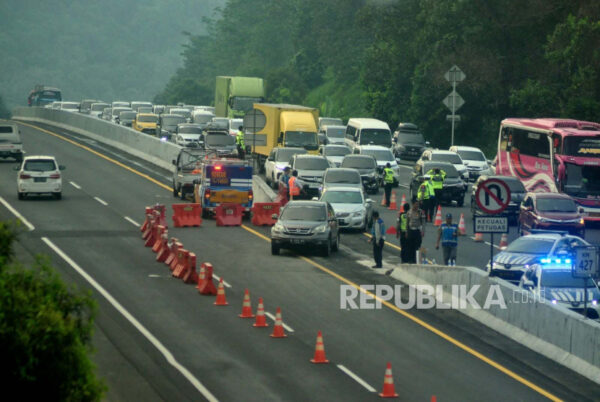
(357, 214)
(496, 265)
(321, 228)
(277, 228)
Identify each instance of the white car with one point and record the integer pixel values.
(383, 156)
(278, 159)
(352, 209)
(334, 153)
(39, 174)
(69, 106)
(437, 155)
(475, 161)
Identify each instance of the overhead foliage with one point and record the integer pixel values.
(387, 59)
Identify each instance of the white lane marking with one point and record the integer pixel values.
(132, 221)
(356, 378)
(77, 186)
(227, 285)
(486, 242)
(271, 316)
(101, 201)
(147, 334)
(17, 214)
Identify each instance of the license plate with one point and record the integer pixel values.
(229, 212)
(297, 241)
(39, 179)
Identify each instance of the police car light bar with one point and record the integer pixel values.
(544, 231)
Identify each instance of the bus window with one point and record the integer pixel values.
(530, 143)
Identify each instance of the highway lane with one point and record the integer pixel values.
(361, 340)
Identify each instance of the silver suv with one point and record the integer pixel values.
(11, 145)
(306, 223)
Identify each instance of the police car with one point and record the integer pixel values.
(526, 251)
(552, 279)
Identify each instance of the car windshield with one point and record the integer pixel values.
(191, 137)
(342, 197)
(50, 95)
(304, 213)
(451, 158)
(405, 138)
(556, 205)
(588, 146)
(182, 112)
(69, 105)
(380, 154)
(559, 279)
(450, 170)
(342, 176)
(219, 140)
(284, 155)
(117, 110)
(39, 165)
(582, 181)
(203, 117)
(245, 103)
(330, 121)
(98, 107)
(172, 120)
(148, 119)
(515, 185)
(190, 160)
(336, 132)
(530, 246)
(472, 156)
(374, 136)
(127, 115)
(220, 123)
(359, 163)
(300, 139)
(336, 151)
(189, 130)
(311, 164)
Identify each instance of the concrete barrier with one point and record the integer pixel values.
(551, 330)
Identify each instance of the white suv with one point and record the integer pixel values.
(39, 175)
(11, 145)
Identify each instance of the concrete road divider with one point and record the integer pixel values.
(262, 213)
(187, 215)
(229, 214)
(205, 280)
(551, 330)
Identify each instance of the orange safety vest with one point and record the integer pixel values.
(293, 189)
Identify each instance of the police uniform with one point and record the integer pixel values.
(402, 231)
(448, 234)
(388, 182)
(241, 146)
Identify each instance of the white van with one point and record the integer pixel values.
(368, 132)
(11, 145)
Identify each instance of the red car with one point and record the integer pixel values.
(550, 211)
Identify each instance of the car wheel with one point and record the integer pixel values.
(336, 245)
(57, 196)
(327, 248)
(274, 249)
(182, 194)
(21, 196)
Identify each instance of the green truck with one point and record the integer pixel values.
(234, 96)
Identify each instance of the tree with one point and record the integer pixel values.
(45, 332)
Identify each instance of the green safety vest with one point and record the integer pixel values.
(389, 175)
(403, 222)
(430, 188)
(239, 139)
(423, 191)
(437, 179)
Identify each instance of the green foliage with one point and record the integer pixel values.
(45, 333)
(387, 59)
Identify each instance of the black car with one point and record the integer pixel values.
(367, 167)
(517, 195)
(409, 143)
(454, 188)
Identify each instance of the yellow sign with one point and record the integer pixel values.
(232, 196)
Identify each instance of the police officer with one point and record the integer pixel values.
(414, 233)
(437, 179)
(448, 234)
(239, 140)
(388, 182)
(402, 232)
(425, 194)
(378, 239)
(294, 185)
(284, 182)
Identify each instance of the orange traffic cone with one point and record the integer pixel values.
(221, 300)
(393, 205)
(503, 242)
(478, 237)
(461, 225)
(319, 350)
(278, 331)
(383, 201)
(438, 217)
(389, 390)
(261, 320)
(246, 307)
(403, 201)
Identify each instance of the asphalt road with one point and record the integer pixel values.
(157, 339)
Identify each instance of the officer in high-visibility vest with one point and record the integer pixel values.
(294, 185)
(424, 193)
(437, 179)
(239, 140)
(402, 232)
(388, 182)
(448, 234)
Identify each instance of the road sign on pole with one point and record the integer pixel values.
(454, 100)
(492, 196)
(490, 224)
(586, 262)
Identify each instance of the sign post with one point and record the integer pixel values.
(454, 101)
(492, 197)
(585, 266)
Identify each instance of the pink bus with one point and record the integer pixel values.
(553, 155)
